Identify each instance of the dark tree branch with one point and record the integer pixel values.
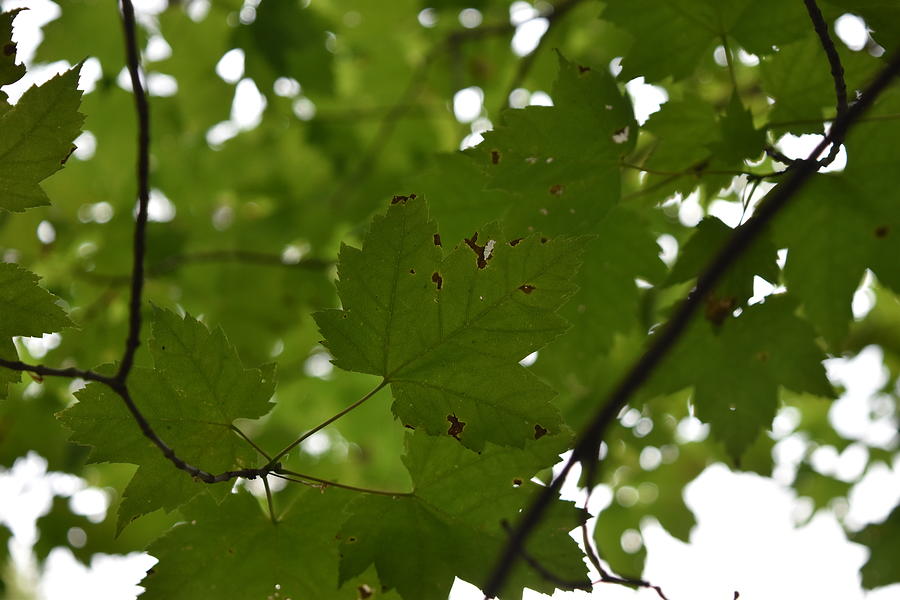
(834, 61)
(837, 70)
(143, 179)
(41, 370)
(563, 584)
(589, 440)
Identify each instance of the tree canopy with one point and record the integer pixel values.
(323, 290)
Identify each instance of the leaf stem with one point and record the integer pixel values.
(324, 483)
(269, 502)
(326, 423)
(251, 442)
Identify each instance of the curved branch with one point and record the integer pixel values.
(143, 176)
(837, 70)
(589, 440)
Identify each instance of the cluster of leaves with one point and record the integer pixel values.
(408, 462)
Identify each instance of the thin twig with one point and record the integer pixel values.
(143, 176)
(594, 559)
(590, 438)
(556, 13)
(327, 422)
(837, 70)
(324, 483)
(563, 584)
(43, 371)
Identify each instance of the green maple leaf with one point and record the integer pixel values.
(452, 524)
(673, 36)
(839, 225)
(26, 309)
(736, 287)
(737, 368)
(561, 163)
(447, 330)
(36, 139)
(881, 568)
(196, 390)
(233, 550)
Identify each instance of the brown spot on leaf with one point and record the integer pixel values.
(363, 591)
(557, 190)
(718, 309)
(472, 243)
(399, 199)
(527, 288)
(583, 70)
(539, 432)
(456, 426)
(9, 49)
(230, 550)
(408, 426)
(437, 239)
(495, 157)
(351, 540)
(517, 482)
(762, 356)
(515, 242)
(881, 231)
(37, 377)
(437, 279)
(544, 240)
(412, 271)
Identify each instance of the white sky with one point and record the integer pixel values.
(745, 539)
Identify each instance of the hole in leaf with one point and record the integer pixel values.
(517, 482)
(402, 199)
(515, 242)
(539, 432)
(480, 254)
(527, 288)
(408, 426)
(437, 239)
(412, 271)
(456, 426)
(437, 279)
(544, 240)
(351, 540)
(363, 591)
(557, 190)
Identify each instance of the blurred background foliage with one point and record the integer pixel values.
(279, 127)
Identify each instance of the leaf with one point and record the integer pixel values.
(736, 370)
(561, 162)
(673, 36)
(10, 72)
(26, 310)
(233, 550)
(197, 388)
(447, 330)
(419, 542)
(36, 138)
(881, 568)
(709, 237)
